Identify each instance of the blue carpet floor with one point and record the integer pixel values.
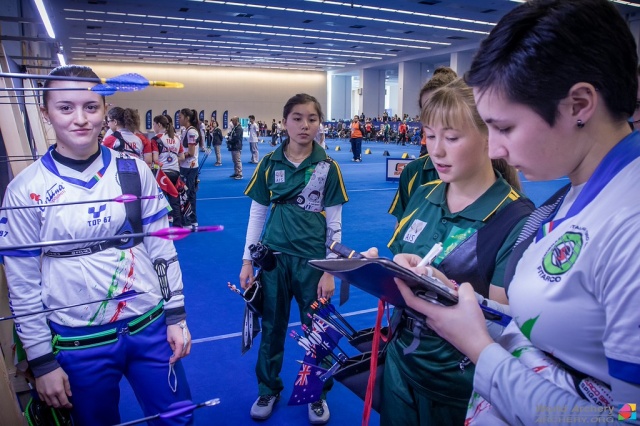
(215, 368)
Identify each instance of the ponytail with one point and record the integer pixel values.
(509, 173)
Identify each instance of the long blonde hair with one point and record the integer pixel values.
(454, 104)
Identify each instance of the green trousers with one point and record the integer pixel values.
(293, 277)
(426, 387)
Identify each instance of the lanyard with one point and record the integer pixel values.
(615, 161)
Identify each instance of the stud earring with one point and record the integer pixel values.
(580, 124)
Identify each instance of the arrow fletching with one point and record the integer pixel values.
(127, 295)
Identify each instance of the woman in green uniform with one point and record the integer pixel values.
(476, 213)
(420, 170)
(305, 190)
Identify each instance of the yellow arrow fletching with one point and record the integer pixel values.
(170, 84)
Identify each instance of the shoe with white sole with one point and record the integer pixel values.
(318, 412)
(263, 407)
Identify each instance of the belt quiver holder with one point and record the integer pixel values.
(363, 339)
(354, 374)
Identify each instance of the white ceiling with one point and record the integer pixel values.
(291, 34)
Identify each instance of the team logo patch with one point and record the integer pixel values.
(414, 230)
(563, 255)
(279, 176)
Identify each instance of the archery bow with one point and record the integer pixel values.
(172, 234)
(124, 198)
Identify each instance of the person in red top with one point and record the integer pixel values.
(357, 132)
(402, 132)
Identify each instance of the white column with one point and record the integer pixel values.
(340, 97)
(461, 61)
(409, 84)
(372, 93)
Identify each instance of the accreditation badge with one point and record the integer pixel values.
(414, 230)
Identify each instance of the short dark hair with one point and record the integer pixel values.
(300, 99)
(252, 117)
(68, 71)
(540, 49)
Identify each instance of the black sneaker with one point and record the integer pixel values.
(238, 177)
(318, 412)
(263, 407)
(233, 175)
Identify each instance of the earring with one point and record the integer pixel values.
(580, 124)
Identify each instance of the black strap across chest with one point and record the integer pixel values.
(474, 259)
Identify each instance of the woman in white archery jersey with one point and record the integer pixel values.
(556, 82)
(93, 345)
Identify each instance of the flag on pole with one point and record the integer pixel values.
(308, 385)
(165, 183)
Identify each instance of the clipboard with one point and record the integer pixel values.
(375, 276)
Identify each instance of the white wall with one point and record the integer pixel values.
(242, 91)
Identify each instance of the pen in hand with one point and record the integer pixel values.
(433, 253)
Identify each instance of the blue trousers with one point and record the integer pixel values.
(356, 148)
(190, 176)
(143, 358)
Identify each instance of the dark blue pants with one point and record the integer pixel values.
(190, 176)
(143, 358)
(356, 148)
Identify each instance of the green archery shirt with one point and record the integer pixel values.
(427, 221)
(289, 228)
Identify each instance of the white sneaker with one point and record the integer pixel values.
(318, 412)
(263, 407)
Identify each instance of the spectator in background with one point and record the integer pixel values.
(122, 123)
(234, 145)
(357, 132)
(274, 132)
(253, 140)
(191, 142)
(216, 141)
(170, 153)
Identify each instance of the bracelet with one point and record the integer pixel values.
(248, 262)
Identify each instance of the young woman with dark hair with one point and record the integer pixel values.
(79, 355)
(543, 83)
(297, 229)
(191, 142)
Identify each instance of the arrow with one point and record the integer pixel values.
(101, 89)
(129, 82)
(172, 234)
(333, 310)
(124, 198)
(175, 410)
(315, 336)
(127, 295)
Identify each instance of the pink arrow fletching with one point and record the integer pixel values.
(174, 234)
